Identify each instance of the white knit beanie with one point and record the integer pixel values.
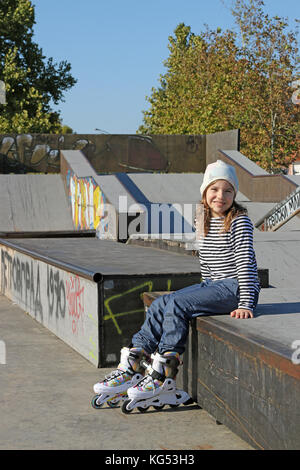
(219, 170)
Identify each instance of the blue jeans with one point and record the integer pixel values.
(167, 319)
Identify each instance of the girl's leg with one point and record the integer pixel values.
(216, 297)
(167, 319)
(151, 331)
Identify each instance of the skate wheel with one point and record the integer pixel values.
(113, 404)
(158, 407)
(95, 404)
(142, 410)
(124, 407)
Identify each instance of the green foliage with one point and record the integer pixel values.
(32, 82)
(66, 129)
(218, 80)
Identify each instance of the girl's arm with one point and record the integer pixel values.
(242, 243)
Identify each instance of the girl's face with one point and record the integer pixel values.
(219, 197)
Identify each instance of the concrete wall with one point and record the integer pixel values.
(107, 153)
(33, 203)
(63, 302)
(229, 140)
(21, 153)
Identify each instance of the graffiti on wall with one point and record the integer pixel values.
(120, 297)
(56, 293)
(36, 152)
(117, 296)
(21, 153)
(124, 310)
(68, 304)
(75, 300)
(23, 278)
(87, 202)
(61, 301)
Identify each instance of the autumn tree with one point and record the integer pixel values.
(271, 50)
(221, 80)
(33, 83)
(196, 92)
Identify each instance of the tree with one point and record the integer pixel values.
(272, 52)
(199, 92)
(32, 82)
(215, 82)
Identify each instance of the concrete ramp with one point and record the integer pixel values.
(257, 184)
(33, 203)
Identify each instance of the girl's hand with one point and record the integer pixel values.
(242, 313)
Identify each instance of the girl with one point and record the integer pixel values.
(230, 285)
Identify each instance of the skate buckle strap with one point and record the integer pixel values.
(157, 375)
(154, 374)
(113, 375)
(121, 370)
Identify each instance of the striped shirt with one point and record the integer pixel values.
(231, 255)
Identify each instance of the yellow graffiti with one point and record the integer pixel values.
(87, 201)
(93, 319)
(97, 206)
(83, 191)
(94, 351)
(75, 204)
(112, 316)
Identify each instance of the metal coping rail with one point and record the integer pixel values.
(91, 275)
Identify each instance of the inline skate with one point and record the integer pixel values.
(158, 387)
(113, 389)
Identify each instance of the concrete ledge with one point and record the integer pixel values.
(88, 291)
(242, 373)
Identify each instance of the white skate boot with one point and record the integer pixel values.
(158, 387)
(114, 388)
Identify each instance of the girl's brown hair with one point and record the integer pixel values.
(234, 211)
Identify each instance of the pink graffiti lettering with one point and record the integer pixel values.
(75, 301)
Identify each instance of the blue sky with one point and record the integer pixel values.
(117, 49)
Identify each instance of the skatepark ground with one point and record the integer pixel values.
(45, 402)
